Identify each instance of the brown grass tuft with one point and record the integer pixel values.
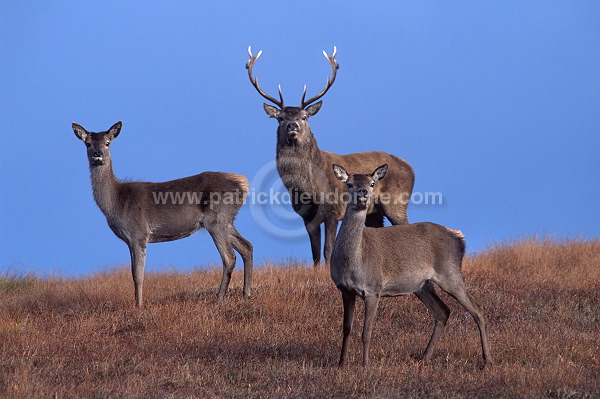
(83, 337)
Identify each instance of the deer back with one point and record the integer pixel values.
(404, 256)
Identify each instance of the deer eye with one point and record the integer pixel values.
(305, 118)
(372, 184)
(107, 143)
(349, 185)
(88, 145)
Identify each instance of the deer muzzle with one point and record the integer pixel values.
(292, 130)
(97, 158)
(361, 198)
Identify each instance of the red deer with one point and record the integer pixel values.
(396, 260)
(141, 212)
(316, 195)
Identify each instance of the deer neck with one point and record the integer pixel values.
(300, 164)
(305, 147)
(349, 238)
(105, 187)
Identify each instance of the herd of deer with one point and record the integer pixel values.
(365, 259)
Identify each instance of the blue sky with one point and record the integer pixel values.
(495, 104)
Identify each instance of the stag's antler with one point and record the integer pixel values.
(334, 66)
(254, 81)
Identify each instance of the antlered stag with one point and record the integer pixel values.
(316, 195)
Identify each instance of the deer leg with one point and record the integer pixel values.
(349, 301)
(312, 223)
(244, 248)
(223, 244)
(371, 304)
(440, 311)
(138, 262)
(314, 233)
(330, 230)
(459, 292)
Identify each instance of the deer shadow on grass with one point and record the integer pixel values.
(265, 353)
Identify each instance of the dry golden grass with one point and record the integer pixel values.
(83, 338)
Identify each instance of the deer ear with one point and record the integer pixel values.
(313, 109)
(272, 111)
(115, 130)
(340, 173)
(80, 132)
(380, 172)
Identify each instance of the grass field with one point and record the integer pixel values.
(83, 338)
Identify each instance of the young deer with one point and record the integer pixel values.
(306, 170)
(396, 260)
(141, 212)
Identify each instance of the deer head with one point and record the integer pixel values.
(98, 144)
(360, 187)
(293, 121)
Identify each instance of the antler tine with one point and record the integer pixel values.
(280, 96)
(252, 58)
(334, 67)
(303, 95)
(254, 80)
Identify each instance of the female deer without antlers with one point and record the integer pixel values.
(396, 260)
(141, 212)
(306, 170)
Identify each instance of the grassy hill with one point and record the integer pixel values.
(83, 337)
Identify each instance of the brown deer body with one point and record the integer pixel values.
(142, 212)
(396, 260)
(306, 171)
